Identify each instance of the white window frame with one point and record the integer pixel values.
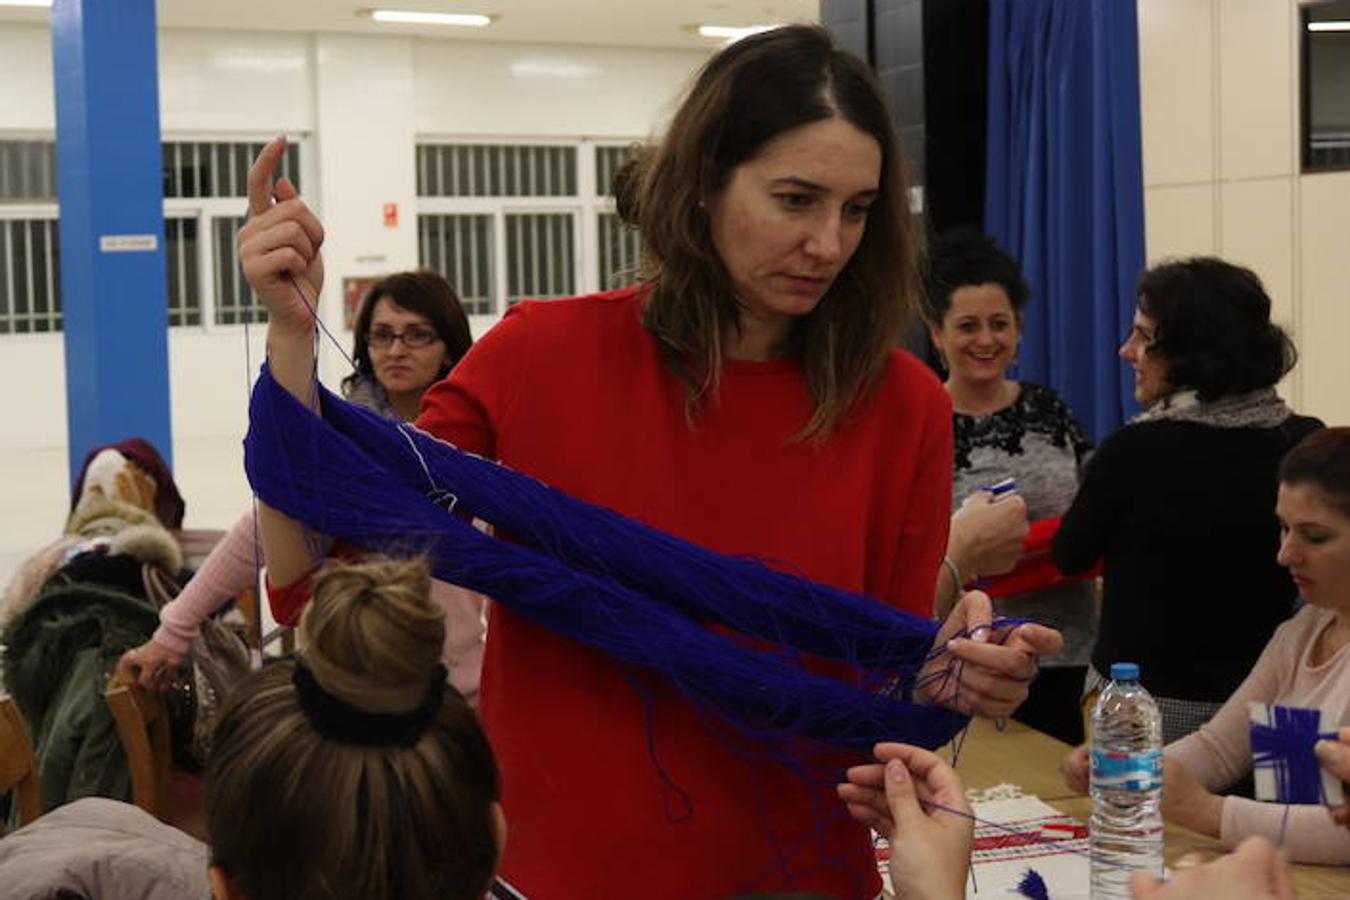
(206, 210)
(26, 212)
(585, 208)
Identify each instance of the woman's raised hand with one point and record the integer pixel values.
(279, 250)
(280, 242)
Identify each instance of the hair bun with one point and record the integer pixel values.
(371, 636)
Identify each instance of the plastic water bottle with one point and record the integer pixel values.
(1126, 828)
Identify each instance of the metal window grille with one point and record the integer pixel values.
(607, 162)
(191, 168)
(236, 303)
(459, 247)
(27, 170)
(217, 168)
(30, 288)
(539, 256)
(496, 170)
(180, 256)
(620, 251)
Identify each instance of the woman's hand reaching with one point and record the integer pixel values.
(903, 796)
(153, 666)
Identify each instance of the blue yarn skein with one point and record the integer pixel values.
(354, 476)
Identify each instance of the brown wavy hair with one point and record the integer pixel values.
(744, 97)
(292, 815)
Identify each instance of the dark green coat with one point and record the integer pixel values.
(58, 655)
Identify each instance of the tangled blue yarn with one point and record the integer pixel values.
(644, 597)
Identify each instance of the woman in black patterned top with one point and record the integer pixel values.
(1011, 429)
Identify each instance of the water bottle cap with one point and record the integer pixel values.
(1124, 671)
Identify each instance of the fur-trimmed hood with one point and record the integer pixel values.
(128, 529)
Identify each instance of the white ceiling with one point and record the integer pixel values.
(629, 23)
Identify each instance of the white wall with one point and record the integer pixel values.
(1220, 105)
(361, 103)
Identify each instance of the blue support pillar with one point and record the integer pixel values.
(114, 286)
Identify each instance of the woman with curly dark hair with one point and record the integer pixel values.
(1177, 503)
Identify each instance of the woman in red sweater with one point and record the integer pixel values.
(745, 397)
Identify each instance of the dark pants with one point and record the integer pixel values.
(1052, 705)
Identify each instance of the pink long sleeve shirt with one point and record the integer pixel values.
(1220, 753)
(233, 566)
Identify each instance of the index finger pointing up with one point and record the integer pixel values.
(260, 176)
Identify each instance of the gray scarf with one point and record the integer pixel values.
(1261, 408)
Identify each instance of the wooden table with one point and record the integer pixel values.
(1022, 756)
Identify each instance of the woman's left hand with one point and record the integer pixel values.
(996, 666)
(901, 797)
(1186, 802)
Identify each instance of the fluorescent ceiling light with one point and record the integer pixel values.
(1329, 26)
(732, 32)
(43, 4)
(426, 18)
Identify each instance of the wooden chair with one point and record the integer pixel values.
(18, 765)
(143, 727)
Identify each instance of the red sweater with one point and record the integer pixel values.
(574, 392)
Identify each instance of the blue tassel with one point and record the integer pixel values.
(641, 596)
(1033, 885)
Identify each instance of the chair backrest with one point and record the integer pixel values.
(143, 727)
(18, 765)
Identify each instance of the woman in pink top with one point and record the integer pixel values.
(410, 331)
(1306, 664)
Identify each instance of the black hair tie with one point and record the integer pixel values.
(338, 720)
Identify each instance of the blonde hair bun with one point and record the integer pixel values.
(372, 636)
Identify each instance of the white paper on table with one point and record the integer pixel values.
(1045, 839)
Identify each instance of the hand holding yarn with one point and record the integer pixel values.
(909, 795)
(279, 246)
(1254, 871)
(1335, 758)
(994, 666)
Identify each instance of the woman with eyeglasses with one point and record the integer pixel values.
(409, 332)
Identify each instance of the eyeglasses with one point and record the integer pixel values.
(413, 336)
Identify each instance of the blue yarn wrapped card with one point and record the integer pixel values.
(1284, 765)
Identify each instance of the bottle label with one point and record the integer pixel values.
(1116, 771)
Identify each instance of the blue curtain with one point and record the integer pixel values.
(1064, 189)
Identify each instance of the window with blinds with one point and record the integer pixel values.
(27, 171)
(620, 251)
(541, 259)
(180, 252)
(205, 281)
(217, 168)
(504, 222)
(496, 170)
(236, 303)
(30, 291)
(608, 158)
(460, 247)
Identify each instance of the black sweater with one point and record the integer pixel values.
(1183, 515)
